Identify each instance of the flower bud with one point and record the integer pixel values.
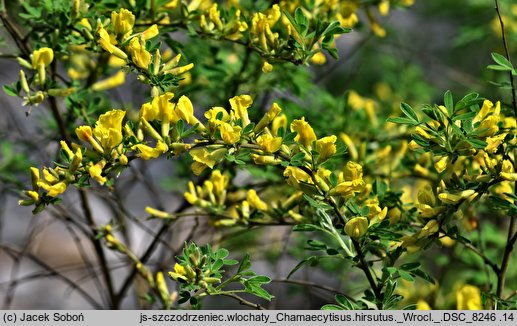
(356, 227)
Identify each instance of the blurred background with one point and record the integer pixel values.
(430, 47)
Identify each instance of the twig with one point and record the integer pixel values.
(512, 235)
(15, 253)
(243, 301)
(507, 54)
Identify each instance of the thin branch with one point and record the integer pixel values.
(507, 54)
(243, 301)
(15, 253)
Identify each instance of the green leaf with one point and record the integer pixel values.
(344, 302)
(502, 61)
(408, 111)
(499, 68)
(248, 128)
(245, 264)
(260, 279)
(9, 90)
(222, 253)
(423, 275)
(306, 228)
(331, 307)
(404, 121)
(312, 260)
(317, 244)
(410, 266)
(464, 116)
(405, 275)
(255, 289)
(449, 103)
(477, 143)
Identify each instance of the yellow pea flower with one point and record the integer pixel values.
(140, 56)
(211, 114)
(305, 132)
(179, 273)
(230, 134)
(185, 110)
(105, 43)
(278, 122)
(147, 152)
(122, 23)
(448, 198)
(353, 171)
(95, 171)
(254, 200)
(265, 159)
(150, 32)
(468, 297)
(240, 105)
(268, 143)
(326, 147)
(214, 16)
(271, 114)
(267, 67)
(55, 189)
(42, 56)
(108, 129)
(441, 164)
(384, 7)
(35, 178)
(422, 305)
(430, 228)
(296, 176)
(356, 227)
(111, 82)
(319, 58)
(350, 145)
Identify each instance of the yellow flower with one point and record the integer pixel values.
(356, 227)
(157, 213)
(280, 121)
(55, 189)
(271, 114)
(422, 305)
(295, 176)
(305, 132)
(350, 145)
(441, 164)
(162, 109)
(185, 110)
(111, 82)
(318, 58)
(203, 158)
(179, 273)
(448, 198)
(108, 129)
(140, 56)
(468, 297)
(147, 152)
(353, 171)
(384, 7)
(230, 134)
(35, 178)
(122, 23)
(254, 200)
(240, 105)
(494, 142)
(268, 143)
(42, 56)
(326, 147)
(105, 43)
(150, 32)
(212, 114)
(95, 171)
(267, 67)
